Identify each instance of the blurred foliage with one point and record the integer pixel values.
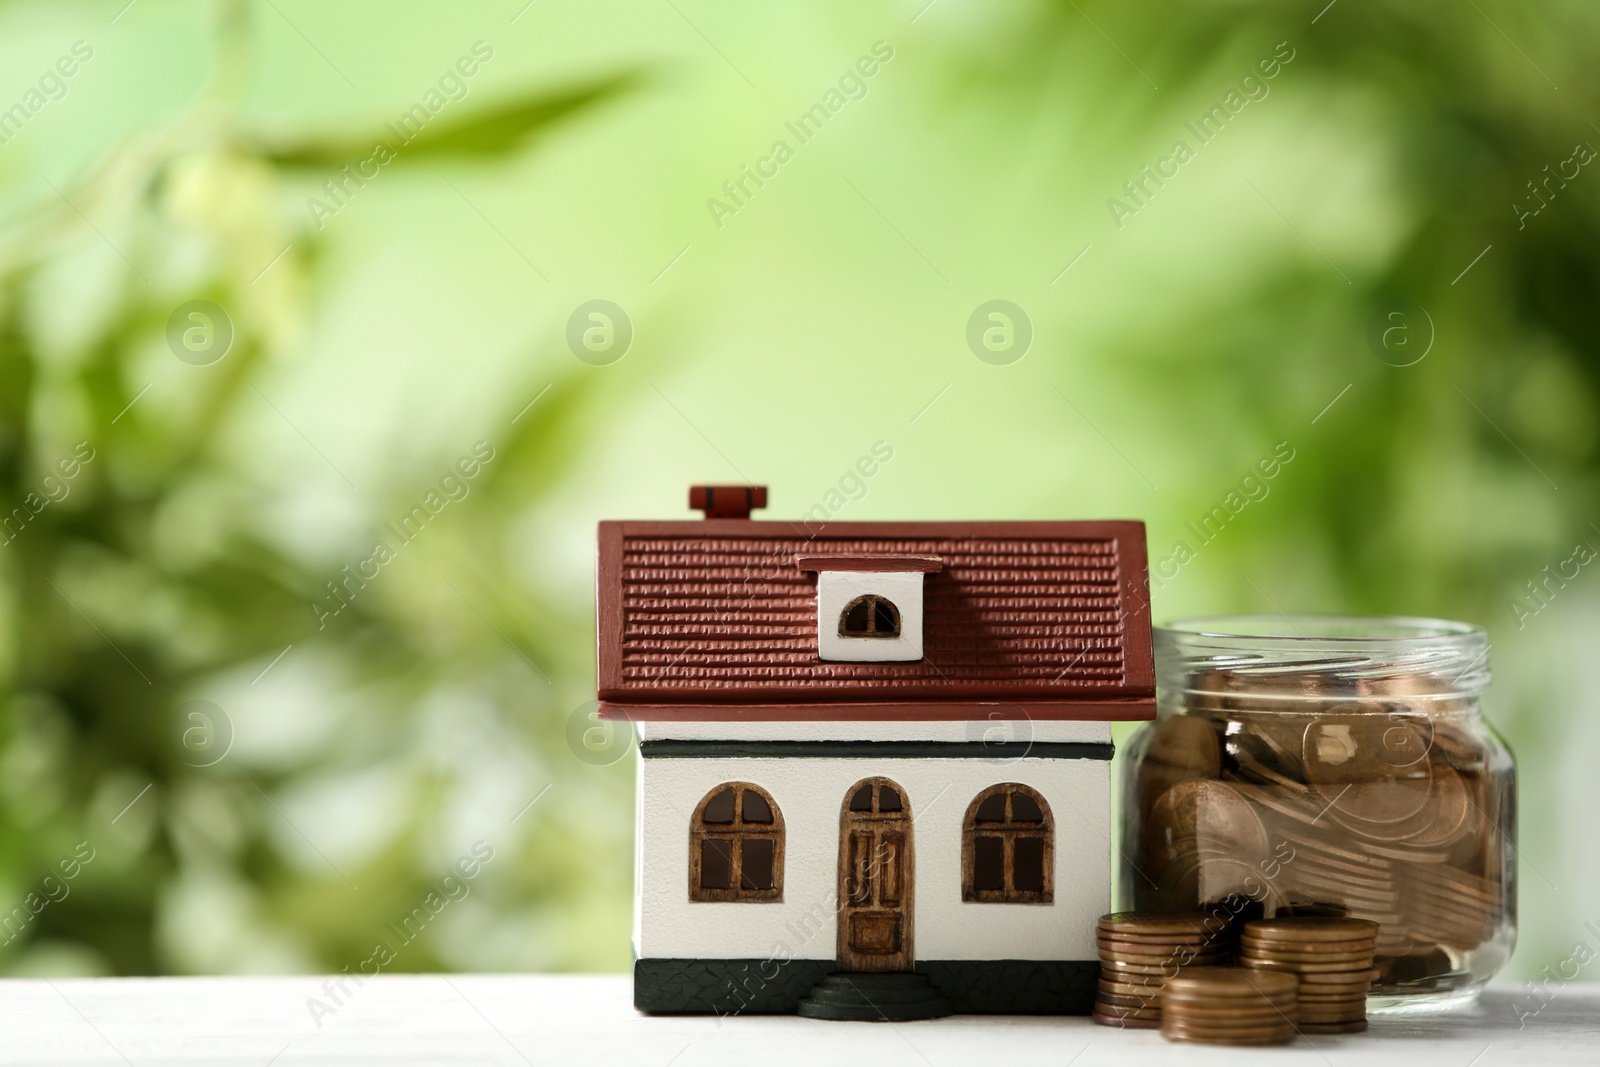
(369, 749)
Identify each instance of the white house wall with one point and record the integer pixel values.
(1000, 728)
(809, 793)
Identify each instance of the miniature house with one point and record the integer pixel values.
(874, 774)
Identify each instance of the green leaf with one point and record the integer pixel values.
(456, 133)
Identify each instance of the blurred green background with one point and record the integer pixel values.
(266, 785)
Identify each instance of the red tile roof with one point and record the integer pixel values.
(1049, 618)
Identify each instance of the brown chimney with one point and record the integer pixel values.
(727, 501)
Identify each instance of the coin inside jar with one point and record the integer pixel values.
(1346, 764)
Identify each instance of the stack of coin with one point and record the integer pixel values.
(1330, 957)
(1139, 950)
(1229, 1006)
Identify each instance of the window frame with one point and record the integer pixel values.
(872, 601)
(1009, 830)
(735, 833)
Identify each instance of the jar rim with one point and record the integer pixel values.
(1447, 658)
(1325, 629)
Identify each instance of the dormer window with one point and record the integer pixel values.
(870, 616)
(869, 608)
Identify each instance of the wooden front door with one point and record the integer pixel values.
(875, 867)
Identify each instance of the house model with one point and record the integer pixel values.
(874, 774)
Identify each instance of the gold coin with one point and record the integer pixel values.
(1311, 928)
(1229, 982)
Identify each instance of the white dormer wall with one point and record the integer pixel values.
(903, 589)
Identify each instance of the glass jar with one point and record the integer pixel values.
(1324, 765)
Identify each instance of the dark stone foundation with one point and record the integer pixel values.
(772, 986)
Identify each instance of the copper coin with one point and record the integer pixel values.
(1249, 759)
(1319, 1018)
(1147, 943)
(1186, 743)
(1125, 1023)
(1347, 967)
(1338, 979)
(1265, 1033)
(1225, 1011)
(1186, 1039)
(1107, 1001)
(1406, 851)
(1214, 815)
(1311, 928)
(1314, 948)
(1130, 984)
(1125, 971)
(1128, 1011)
(1154, 943)
(1318, 1029)
(1308, 850)
(1190, 1039)
(1298, 810)
(1322, 950)
(1448, 813)
(1349, 961)
(1333, 844)
(1457, 881)
(1228, 1029)
(1130, 989)
(1156, 924)
(1283, 738)
(1348, 763)
(1229, 982)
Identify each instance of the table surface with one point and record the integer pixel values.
(561, 1019)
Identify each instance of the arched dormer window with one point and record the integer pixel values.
(869, 616)
(1008, 847)
(736, 845)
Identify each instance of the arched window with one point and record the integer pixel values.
(869, 616)
(1008, 847)
(736, 845)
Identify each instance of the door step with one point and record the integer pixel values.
(875, 997)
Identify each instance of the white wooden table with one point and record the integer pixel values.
(542, 1020)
